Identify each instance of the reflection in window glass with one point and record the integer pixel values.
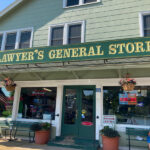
(57, 36)
(72, 2)
(38, 103)
(25, 39)
(10, 41)
(87, 106)
(89, 1)
(128, 107)
(1, 36)
(6, 102)
(70, 106)
(74, 34)
(146, 25)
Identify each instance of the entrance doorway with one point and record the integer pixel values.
(78, 118)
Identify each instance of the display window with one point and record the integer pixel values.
(6, 102)
(37, 103)
(132, 107)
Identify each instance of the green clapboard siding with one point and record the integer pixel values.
(109, 19)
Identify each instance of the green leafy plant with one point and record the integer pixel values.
(6, 113)
(40, 126)
(109, 132)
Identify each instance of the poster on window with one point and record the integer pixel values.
(109, 119)
(129, 98)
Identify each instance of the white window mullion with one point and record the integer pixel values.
(65, 34)
(81, 2)
(49, 36)
(31, 39)
(18, 33)
(64, 3)
(141, 24)
(83, 32)
(4, 41)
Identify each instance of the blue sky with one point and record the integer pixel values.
(5, 3)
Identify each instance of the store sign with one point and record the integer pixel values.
(109, 119)
(129, 98)
(136, 47)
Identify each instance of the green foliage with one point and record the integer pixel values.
(6, 113)
(40, 126)
(109, 132)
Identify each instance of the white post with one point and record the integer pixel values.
(59, 103)
(16, 102)
(99, 109)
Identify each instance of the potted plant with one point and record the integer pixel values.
(127, 83)
(8, 84)
(110, 138)
(42, 132)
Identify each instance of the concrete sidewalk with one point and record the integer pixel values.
(25, 145)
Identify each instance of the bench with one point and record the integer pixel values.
(24, 127)
(4, 125)
(20, 128)
(136, 134)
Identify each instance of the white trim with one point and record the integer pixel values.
(141, 23)
(66, 30)
(50, 31)
(31, 39)
(65, 34)
(10, 7)
(58, 110)
(81, 3)
(49, 36)
(4, 41)
(16, 103)
(18, 35)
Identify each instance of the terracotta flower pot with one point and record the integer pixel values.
(42, 137)
(110, 143)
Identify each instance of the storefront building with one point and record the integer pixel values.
(67, 59)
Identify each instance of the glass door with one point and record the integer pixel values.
(78, 117)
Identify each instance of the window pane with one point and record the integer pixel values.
(147, 21)
(25, 39)
(10, 41)
(1, 36)
(146, 32)
(87, 106)
(74, 34)
(70, 106)
(128, 107)
(38, 103)
(57, 36)
(88, 1)
(72, 2)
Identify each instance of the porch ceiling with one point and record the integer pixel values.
(112, 68)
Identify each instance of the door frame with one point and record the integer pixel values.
(79, 88)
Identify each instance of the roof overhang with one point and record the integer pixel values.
(10, 7)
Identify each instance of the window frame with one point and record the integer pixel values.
(141, 21)
(66, 31)
(18, 36)
(81, 2)
(1, 33)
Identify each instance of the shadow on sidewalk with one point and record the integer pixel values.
(25, 145)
